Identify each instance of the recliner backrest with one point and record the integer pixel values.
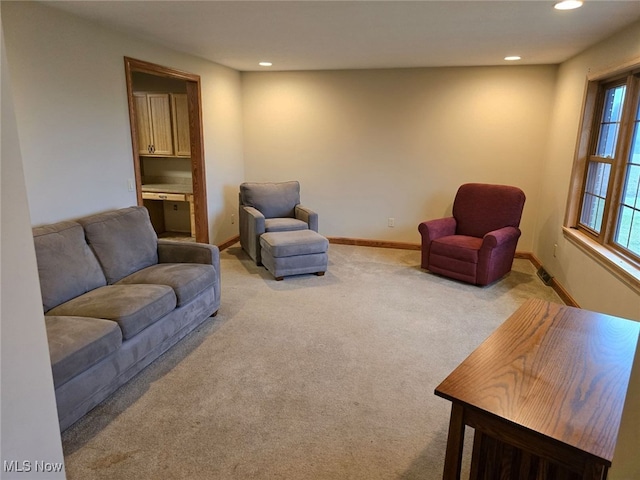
(480, 208)
(273, 200)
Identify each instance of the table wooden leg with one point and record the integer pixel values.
(476, 457)
(595, 471)
(455, 443)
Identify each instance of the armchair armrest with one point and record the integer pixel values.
(440, 227)
(252, 219)
(251, 227)
(500, 237)
(173, 251)
(496, 254)
(431, 230)
(307, 215)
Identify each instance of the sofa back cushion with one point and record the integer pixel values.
(273, 200)
(66, 265)
(123, 240)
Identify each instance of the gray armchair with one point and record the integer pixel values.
(271, 207)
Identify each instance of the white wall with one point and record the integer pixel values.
(371, 144)
(71, 108)
(592, 286)
(28, 417)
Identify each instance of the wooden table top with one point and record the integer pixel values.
(560, 371)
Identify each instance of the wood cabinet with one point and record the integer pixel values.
(153, 113)
(180, 123)
(162, 124)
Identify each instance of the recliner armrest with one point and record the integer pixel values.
(307, 215)
(441, 227)
(432, 230)
(500, 237)
(174, 251)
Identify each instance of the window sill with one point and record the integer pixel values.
(618, 266)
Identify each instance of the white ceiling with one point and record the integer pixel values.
(321, 35)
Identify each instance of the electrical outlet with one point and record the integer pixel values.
(233, 218)
(391, 222)
(555, 249)
(130, 184)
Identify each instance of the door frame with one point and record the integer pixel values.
(196, 137)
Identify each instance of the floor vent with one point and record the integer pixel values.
(544, 276)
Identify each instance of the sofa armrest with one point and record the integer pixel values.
(174, 251)
(499, 237)
(307, 215)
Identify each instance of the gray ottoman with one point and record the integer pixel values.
(294, 253)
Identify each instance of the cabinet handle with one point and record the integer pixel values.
(149, 148)
(162, 197)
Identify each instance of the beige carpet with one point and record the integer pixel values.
(308, 378)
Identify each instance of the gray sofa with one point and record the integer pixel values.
(271, 207)
(115, 298)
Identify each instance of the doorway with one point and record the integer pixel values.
(165, 112)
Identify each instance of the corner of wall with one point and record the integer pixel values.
(30, 431)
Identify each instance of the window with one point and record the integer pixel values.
(628, 228)
(607, 169)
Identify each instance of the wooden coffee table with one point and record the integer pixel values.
(544, 393)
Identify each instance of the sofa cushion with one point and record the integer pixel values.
(77, 343)
(271, 199)
(284, 224)
(123, 240)
(66, 265)
(133, 307)
(187, 280)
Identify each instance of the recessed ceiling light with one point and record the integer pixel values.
(512, 58)
(265, 64)
(568, 5)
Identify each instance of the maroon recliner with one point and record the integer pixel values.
(477, 244)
